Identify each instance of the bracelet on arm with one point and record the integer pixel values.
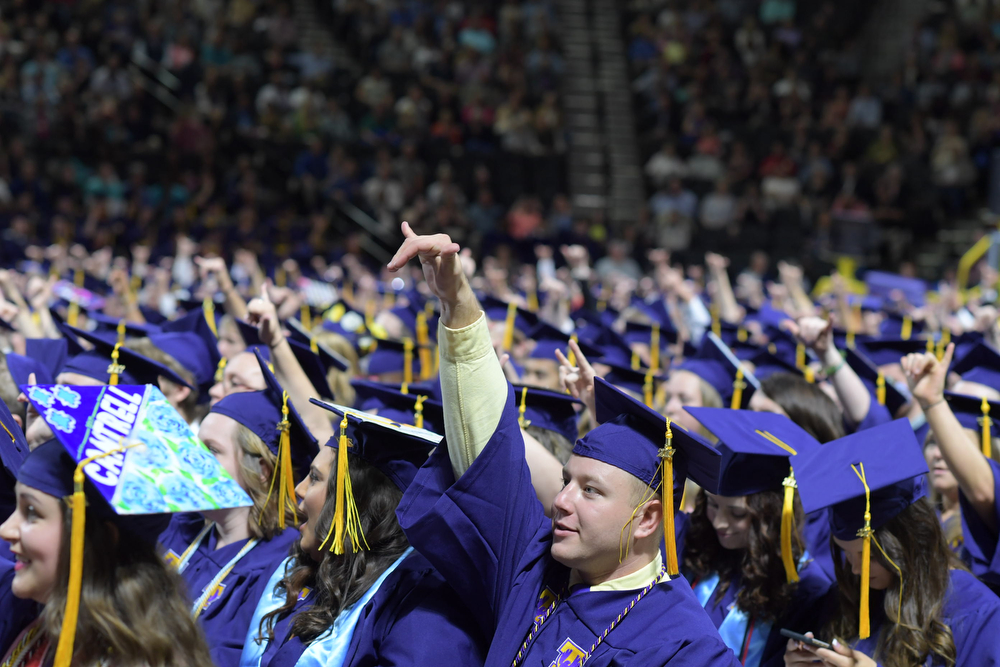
(830, 371)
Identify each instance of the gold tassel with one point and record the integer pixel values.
(716, 323)
(424, 350)
(418, 408)
(370, 314)
(305, 316)
(850, 338)
(346, 520)
(800, 356)
(943, 343)
(880, 388)
(407, 362)
(508, 327)
(930, 345)
(741, 335)
(521, 420)
(666, 455)
(280, 277)
(738, 386)
(864, 628)
(347, 291)
(654, 348)
(636, 362)
(115, 369)
(283, 474)
(221, 369)
(570, 356)
(809, 374)
(208, 309)
(907, 328)
(787, 525)
(987, 423)
(533, 301)
(647, 389)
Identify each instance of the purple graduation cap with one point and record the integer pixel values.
(977, 414)
(395, 356)
(13, 450)
(498, 310)
(311, 362)
(887, 351)
(21, 368)
(548, 339)
(717, 365)
(51, 352)
(549, 410)
(980, 365)
(766, 364)
(417, 407)
(643, 443)
(133, 368)
(883, 391)
(886, 285)
(330, 358)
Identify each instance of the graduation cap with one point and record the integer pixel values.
(886, 351)
(124, 455)
(866, 479)
(661, 454)
(766, 364)
(397, 450)
(514, 317)
(718, 366)
(21, 367)
(884, 391)
(395, 356)
(111, 363)
(974, 413)
(189, 350)
(980, 365)
(546, 409)
(341, 319)
(417, 406)
(330, 358)
(654, 335)
(51, 352)
(548, 339)
(13, 449)
(760, 451)
(311, 363)
(883, 284)
(109, 325)
(901, 326)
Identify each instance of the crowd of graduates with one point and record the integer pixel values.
(437, 463)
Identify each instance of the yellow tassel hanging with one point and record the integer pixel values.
(424, 350)
(684, 497)
(521, 420)
(305, 316)
(738, 386)
(850, 338)
(73, 313)
(428, 308)
(716, 323)
(533, 301)
(864, 628)
(346, 520)
(347, 291)
(943, 343)
(647, 389)
(283, 474)
(987, 424)
(809, 374)
(907, 328)
(930, 345)
(666, 455)
(280, 277)
(115, 369)
(787, 525)
(636, 361)
(800, 356)
(418, 412)
(741, 335)
(508, 327)
(654, 347)
(880, 388)
(407, 362)
(221, 369)
(570, 357)
(208, 309)
(313, 346)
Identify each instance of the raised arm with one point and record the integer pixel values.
(729, 309)
(216, 267)
(471, 376)
(926, 377)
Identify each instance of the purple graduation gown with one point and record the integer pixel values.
(415, 619)
(226, 619)
(972, 612)
(981, 544)
(15, 613)
(489, 537)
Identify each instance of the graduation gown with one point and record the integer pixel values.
(488, 535)
(972, 612)
(981, 544)
(816, 534)
(760, 644)
(15, 614)
(414, 618)
(226, 618)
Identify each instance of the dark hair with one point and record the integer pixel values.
(913, 540)
(340, 581)
(132, 606)
(765, 592)
(806, 405)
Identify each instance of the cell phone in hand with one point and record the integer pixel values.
(802, 638)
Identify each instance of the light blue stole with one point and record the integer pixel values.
(327, 650)
(737, 622)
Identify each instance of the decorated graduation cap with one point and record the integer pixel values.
(886, 351)
(513, 316)
(124, 455)
(974, 413)
(112, 363)
(397, 450)
(270, 416)
(760, 451)
(417, 406)
(882, 390)
(980, 365)
(51, 352)
(549, 339)
(648, 446)
(718, 366)
(866, 479)
(549, 410)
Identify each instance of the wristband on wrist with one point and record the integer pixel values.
(833, 370)
(934, 404)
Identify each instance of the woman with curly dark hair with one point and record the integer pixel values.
(354, 593)
(744, 552)
(905, 600)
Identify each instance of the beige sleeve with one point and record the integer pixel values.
(473, 389)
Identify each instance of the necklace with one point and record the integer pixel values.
(533, 633)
